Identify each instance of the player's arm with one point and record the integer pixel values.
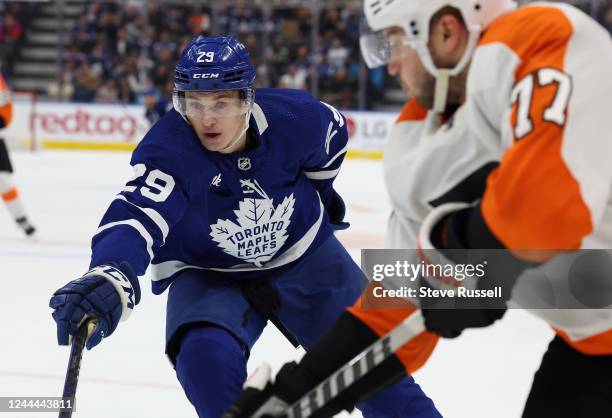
(133, 228)
(139, 219)
(552, 186)
(324, 158)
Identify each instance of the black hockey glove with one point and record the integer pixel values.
(450, 323)
(442, 242)
(342, 342)
(336, 212)
(262, 398)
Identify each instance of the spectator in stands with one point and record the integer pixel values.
(244, 21)
(338, 54)
(125, 47)
(199, 21)
(175, 21)
(74, 55)
(84, 34)
(328, 22)
(100, 60)
(86, 83)
(155, 105)
(155, 17)
(10, 37)
(134, 42)
(63, 90)
(162, 69)
(302, 58)
(164, 45)
(135, 27)
(294, 78)
(10, 29)
(108, 92)
(136, 75)
(338, 90)
(281, 54)
(108, 26)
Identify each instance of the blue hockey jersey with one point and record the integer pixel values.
(244, 213)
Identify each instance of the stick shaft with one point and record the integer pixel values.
(74, 366)
(360, 365)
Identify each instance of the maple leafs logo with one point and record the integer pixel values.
(261, 228)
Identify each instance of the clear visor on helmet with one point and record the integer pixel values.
(218, 104)
(379, 48)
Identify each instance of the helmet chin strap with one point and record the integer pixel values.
(441, 90)
(443, 75)
(228, 148)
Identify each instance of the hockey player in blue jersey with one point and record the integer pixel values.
(233, 206)
(155, 106)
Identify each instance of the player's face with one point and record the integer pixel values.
(405, 64)
(218, 119)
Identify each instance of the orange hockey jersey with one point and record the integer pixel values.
(538, 99)
(6, 106)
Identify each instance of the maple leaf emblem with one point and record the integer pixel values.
(259, 232)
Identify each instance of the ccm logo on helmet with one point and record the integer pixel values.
(206, 75)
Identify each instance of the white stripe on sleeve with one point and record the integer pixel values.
(153, 215)
(322, 175)
(137, 226)
(335, 157)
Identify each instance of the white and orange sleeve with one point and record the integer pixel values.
(539, 81)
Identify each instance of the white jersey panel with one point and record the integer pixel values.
(587, 144)
(423, 161)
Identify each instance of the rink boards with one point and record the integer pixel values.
(57, 125)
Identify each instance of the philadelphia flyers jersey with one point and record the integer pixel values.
(539, 90)
(534, 123)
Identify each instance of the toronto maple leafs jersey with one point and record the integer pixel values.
(244, 213)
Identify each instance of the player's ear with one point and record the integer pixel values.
(447, 39)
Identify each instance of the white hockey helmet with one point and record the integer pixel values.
(414, 17)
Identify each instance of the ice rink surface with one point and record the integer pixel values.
(484, 373)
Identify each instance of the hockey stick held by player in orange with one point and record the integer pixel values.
(259, 398)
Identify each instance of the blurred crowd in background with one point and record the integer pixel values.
(119, 49)
(11, 32)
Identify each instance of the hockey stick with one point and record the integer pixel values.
(74, 366)
(348, 374)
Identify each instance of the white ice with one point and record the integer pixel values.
(482, 374)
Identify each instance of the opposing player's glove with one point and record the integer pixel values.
(107, 292)
(263, 398)
(450, 323)
(439, 239)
